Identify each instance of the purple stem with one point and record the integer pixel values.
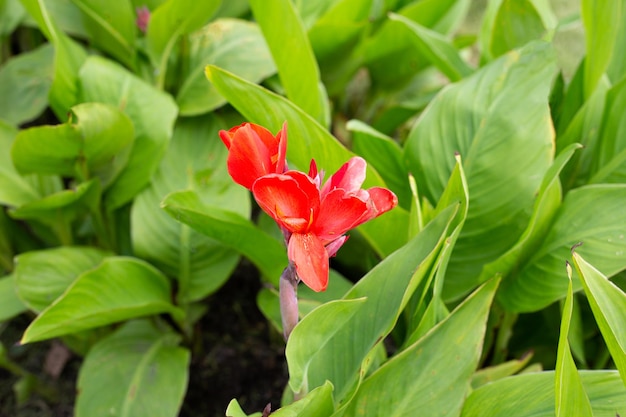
(288, 300)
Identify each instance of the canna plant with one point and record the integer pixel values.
(490, 137)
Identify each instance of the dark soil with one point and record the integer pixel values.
(237, 355)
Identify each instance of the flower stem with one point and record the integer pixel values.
(288, 289)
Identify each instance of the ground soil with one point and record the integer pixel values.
(237, 355)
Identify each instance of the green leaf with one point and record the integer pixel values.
(112, 27)
(117, 289)
(51, 150)
(608, 303)
(509, 24)
(288, 42)
(10, 303)
(15, 190)
(59, 210)
(601, 19)
(546, 206)
(152, 112)
(82, 149)
(610, 157)
(195, 161)
(312, 334)
(532, 395)
(437, 49)
(591, 214)
(43, 276)
(69, 57)
(483, 124)
(386, 288)
(235, 410)
(11, 14)
(168, 23)
(138, 371)
(570, 398)
(493, 373)
(317, 403)
(335, 38)
(231, 230)
(386, 53)
(232, 44)
(384, 155)
(431, 377)
(307, 140)
(25, 83)
(456, 192)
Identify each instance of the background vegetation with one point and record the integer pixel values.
(499, 125)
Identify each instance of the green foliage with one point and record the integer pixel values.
(504, 145)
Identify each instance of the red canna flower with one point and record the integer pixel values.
(254, 152)
(315, 218)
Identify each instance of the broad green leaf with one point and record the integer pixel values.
(610, 157)
(152, 112)
(386, 53)
(509, 24)
(10, 303)
(384, 155)
(235, 45)
(117, 289)
(317, 403)
(592, 215)
(59, 210)
(431, 377)
(437, 49)
(307, 140)
(479, 118)
(168, 23)
(69, 57)
(608, 303)
(386, 288)
(546, 205)
(112, 27)
(230, 229)
(43, 276)
(288, 42)
(138, 371)
(532, 395)
(49, 150)
(24, 85)
(96, 144)
(335, 37)
(570, 398)
(311, 11)
(194, 161)
(15, 190)
(601, 19)
(312, 334)
(11, 14)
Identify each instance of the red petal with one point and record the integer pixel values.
(338, 213)
(381, 201)
(291, 199)
(349, 177)
(249, 158)
(281, 139)
(309, 256)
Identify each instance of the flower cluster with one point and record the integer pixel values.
(314, 216)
